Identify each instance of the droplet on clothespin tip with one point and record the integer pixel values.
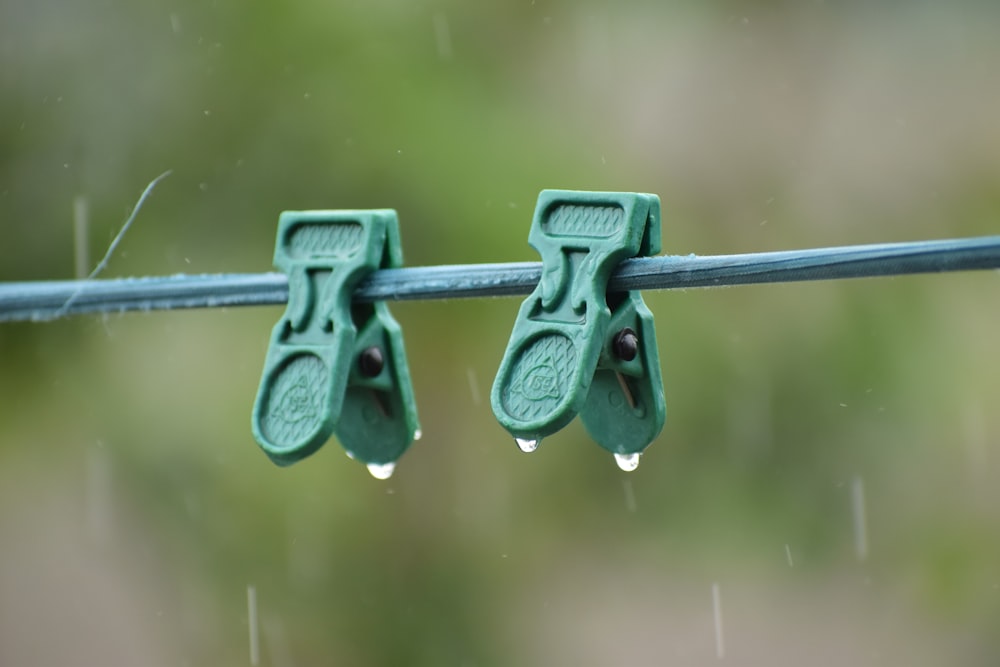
(382, 470)
(525, 445)
(627, 462)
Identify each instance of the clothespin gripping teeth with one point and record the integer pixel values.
(562, 357)
(333, 366)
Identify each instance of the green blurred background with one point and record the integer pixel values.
(136, 511)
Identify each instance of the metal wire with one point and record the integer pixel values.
(46, 300)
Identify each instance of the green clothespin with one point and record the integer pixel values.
(334, 367)
(575, 347)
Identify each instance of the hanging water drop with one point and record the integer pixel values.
(525, 445)
(627, 462)
(382, 470)
(418, 434)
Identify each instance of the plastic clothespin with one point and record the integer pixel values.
(575, 347)
(334, 366)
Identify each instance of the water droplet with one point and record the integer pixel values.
(629, 495)
(720, 645)
(382, 470)
(254, 627)
(525, 445)
(418, 434)
(627, 462)
(860, 521)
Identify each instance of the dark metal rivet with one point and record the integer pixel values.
(371, 362)
(626, 344)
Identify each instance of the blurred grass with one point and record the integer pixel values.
(135, 496)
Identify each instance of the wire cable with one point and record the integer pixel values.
(47, 300)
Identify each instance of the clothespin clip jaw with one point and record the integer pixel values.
(574, 346)
(334, 366)
(625, 408)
